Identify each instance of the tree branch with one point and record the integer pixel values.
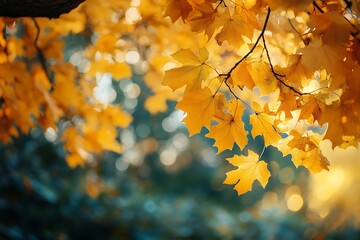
(228, 74)
(37, 8)
(276, 75)
(41, 56)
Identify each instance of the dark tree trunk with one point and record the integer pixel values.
(37, 8)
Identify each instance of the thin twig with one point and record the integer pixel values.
(262, 152)
(298, 33)
(39, 51)
(222, 1)
(5, 37)
(276, 75)
(318, 7)
(228, 74)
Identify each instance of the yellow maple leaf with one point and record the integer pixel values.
(230, 128)
(178, 8)
(313, 160)
(332, 116)
(250, 168)
(241, 76)
(117, 116)
(102, 138)
(287, 103)
(311, 107)
(74, 160)
(200, 106)
(194, 72)
(106, 43)
(263, 77)
(66, 93)
(334, 59)
(304, 141)
(332, 27)
(157, 103)
(240, 23)
(203, 19)
(118, 70)
(295, 5)
(263, 124)
(350, 111)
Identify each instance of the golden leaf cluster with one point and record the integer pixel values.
(293, 66)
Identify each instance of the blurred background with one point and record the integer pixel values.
(167, 185)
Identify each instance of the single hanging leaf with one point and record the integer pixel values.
(200, 107)
(250, 168)
(230, 128)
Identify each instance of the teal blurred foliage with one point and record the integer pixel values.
(54, 203)
(42, 198)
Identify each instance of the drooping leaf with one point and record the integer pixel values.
(230, 128)
(249, 169)
(263, 125)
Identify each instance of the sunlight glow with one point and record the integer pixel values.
(168, 156)
(295, 202)
(132, 57)
(104, 92)
(132, 15)
(50, 134)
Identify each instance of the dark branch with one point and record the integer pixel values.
(227, 75)
(276, 75)
(39, 52)
(305, 40)
(37, 8)
(318, 7)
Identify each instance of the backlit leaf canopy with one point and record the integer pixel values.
(293, 66)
